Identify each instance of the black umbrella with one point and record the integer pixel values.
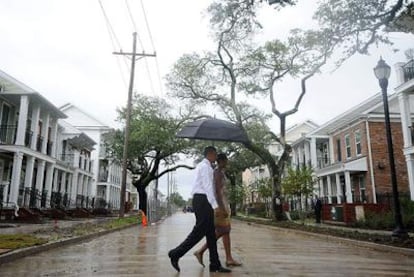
(213, 129)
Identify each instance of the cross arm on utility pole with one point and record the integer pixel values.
(135, 54)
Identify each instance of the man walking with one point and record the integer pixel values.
(204, 203)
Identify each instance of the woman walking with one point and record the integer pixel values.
(221, 214)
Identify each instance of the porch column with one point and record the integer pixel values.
(63, 186)
(55, 181)
(28, 179)
(404, 102)
(314, 157)
(73, 193)
(49, 180)
(338, 188)
(15, 179)
(35, 126)
(329, 183)
(40, 178)
(53, 137)
(22, 121)
(45, 131)
(348, 188)
(410, 170)
(107, 188)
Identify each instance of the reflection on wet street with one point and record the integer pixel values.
(141, 251)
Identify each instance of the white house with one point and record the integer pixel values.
(293, 133)
(107, 171)
(405, 92)
(32, 169)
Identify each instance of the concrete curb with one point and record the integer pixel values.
(23, 252)
(357, 243)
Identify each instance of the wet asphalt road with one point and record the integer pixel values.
(264, 251)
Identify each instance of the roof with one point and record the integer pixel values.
(76, 137)
(81, 119)
(351, 115)
(13, 89)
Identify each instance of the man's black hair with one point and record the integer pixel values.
(209, 149)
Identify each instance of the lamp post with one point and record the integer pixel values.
(382, 72)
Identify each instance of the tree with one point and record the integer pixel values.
(236, 67)
(177, 199)
(152, 142)
(264, 189)
(299, 183)
(354, 25)
(239, 160)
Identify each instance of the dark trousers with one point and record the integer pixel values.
(318, 215)
(204, 227)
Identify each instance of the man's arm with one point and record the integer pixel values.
(207, 180)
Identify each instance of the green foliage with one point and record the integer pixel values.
(377, 221)
(177, 199)
(152, 138)
(298, 182)
(237, 193)
(264, 188)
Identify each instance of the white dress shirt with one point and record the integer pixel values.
(203, 182)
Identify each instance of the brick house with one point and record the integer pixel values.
(349, 156)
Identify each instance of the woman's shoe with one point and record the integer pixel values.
(233, 263)
(199, 257)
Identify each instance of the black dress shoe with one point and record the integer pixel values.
(174, 261)
(220, 269)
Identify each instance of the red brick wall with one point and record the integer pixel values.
(380, 157)
(361, 126)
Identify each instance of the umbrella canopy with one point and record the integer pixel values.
(213, 129)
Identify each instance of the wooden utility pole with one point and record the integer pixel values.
(133, 55)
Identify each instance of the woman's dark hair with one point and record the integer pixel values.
(221, 157)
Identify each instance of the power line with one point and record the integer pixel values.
(111, 31)
(140, 42)
(153, 45)
(146, 23)
(114, 41)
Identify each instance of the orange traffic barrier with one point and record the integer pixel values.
(144, 220)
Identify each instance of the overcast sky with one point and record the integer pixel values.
(63, 49)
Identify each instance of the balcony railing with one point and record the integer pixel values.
(8, 134)
(408, 71)
(323, 162)
(68, 159)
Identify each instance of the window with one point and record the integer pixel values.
(348, 146)
(338, 150)
(358, 142)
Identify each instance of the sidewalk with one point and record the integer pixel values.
(58, 233)
(331, 226)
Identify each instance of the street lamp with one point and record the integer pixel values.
(382, 72)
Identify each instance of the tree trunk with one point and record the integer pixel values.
(277, 205)
(143, 198)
